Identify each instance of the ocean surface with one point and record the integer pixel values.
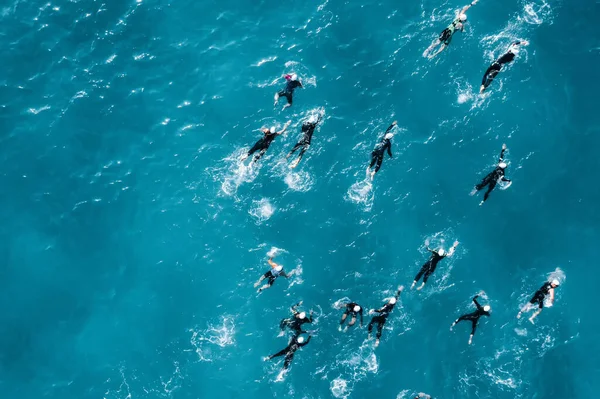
(132, 236)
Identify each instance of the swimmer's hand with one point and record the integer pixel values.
(394, 122)
(455, 244)
(524, 43)
(504, 146)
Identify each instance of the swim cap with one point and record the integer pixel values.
(294, 76)
(502, 165)
(462, 17)
(300, 340)
(356, 308)
(302, 315)
(555, 282)
(487, 308)
(313, 118)
(272, 129)
(441, 252)
(393, 301)
(278, 268)
(389, 136)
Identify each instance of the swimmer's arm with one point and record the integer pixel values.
(505, 179)
(502, 152)
(287, 124)
(273, 264)
(394, 123)
(389, 149)
(361, 316)
(465, 8)
(552, 295)
(293, 308)
(476, 303)
(310, 317)
(453, 248)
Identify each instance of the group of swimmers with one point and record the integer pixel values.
(352, 309)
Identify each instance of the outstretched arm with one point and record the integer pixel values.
(502, 152)
(273, 264)
(389, 149)
(293, 308)
(400, 289)
(453, 248)
(394, 123)
(477, 303)
(287, 124)
(465, 8)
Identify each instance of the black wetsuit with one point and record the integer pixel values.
(379, 150)
(429, 267)
(262, 145)
(474, 316)
(295, 324)
(288, 92)
(350, 311)
(271, 275)
(540, 295)
(492, 179)
(381, 318)
(496, 66)
(307, 131)
(446, 35)
(289, 351)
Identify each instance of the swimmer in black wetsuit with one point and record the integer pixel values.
(384, 312)
(295, 323)
(263, 144)
(288, 92)
(429, 267)
(492, 178)
(276, 271)
(379, 151)
(308, 128)
(353, 309)
(446, 36)
(496, 66)
(295, 343)
(473, 317)
(539, 297)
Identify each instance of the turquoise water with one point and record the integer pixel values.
(132, 237)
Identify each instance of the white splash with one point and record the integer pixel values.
(220, 335)
(261, 210)
(339, 388)
(238, 172)
(361, 193)
(299, 181)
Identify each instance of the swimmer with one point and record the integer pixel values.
(446, 36)
(295, 343)
(295, 323)
(276, 271)
(379, 151)
(496, 66)
(352, 309)
(288, 92)
(429, 267)
(493, 177)
(422, 395)
(539, 297)
(474, 316)
(384, 312)
(308, 129)
(263, 144)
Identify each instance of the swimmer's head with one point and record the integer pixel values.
(356, 308)
(300, 340)
(278, 268)
(302, 315)
(555, 283)
(392, 301)
(441, 252)
(388, 136)
(294, 76)
(462, 17)
(487, 308)
(313, 118)
(502, 165)
(272, 129)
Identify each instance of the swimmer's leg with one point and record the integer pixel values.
(352, 321)
(259, 155)
(491, 186)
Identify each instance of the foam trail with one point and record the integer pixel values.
(237, 172)
(361, 193)
(261, 210)
(220, 335)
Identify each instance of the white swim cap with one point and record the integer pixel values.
(302, 315)
(356, 308)
(272, 129)
(313, 118)
(502, 165)
(389, 136)
(294, 76)
(300, 340)
(393, 301)
(278, 268)
(555, 282)
(487, 308)
(462, 17)
(441, 252)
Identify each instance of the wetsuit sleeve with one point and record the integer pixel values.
(477, 303)
(502, 155)
(389, 148)
(293, 308)
(390, 128)
(505, 179)
(361, 316)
